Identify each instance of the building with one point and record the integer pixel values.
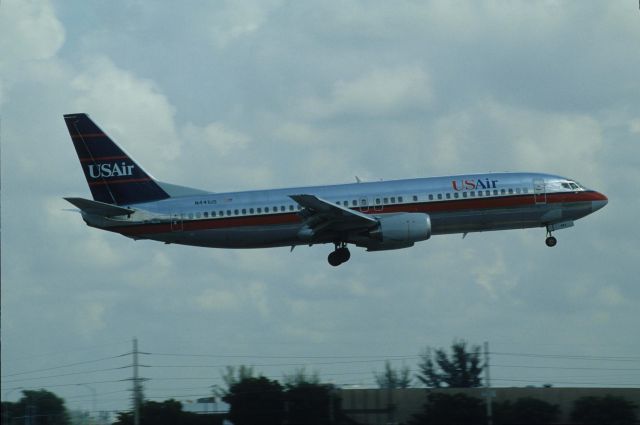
(384, 407)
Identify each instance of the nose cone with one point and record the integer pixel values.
(599, 202)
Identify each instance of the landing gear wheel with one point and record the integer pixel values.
(334, 259)
(343, 254)
(339, 256)
(551, 241)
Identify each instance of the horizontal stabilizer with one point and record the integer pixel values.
(99, 208)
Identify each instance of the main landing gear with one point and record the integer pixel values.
(551, 241)
(340, 255)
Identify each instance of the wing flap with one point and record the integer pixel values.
(335, 211)
(324, 219)
(99, 208)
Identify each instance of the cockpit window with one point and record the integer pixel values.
(571, 185)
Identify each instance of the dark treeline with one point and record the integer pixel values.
(303, 400)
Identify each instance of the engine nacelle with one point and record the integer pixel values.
(402, 229)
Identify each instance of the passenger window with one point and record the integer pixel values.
(472, 193)
(393, 199)
(495, 192)
(439, 195)
(213, 213)
(447, 195)
(354, 203)
(282, 208)
(510, 191)
(244, 211)
(206, 214)
(479, 193)
(464, 194)
(415, 198)
(431, 197)
(525, 190)
(236, 212)
(290, 207)
(377, 201)
(250, 210)
(266, 209)
(190, 216)
(502, 191)
(228, 212)
(455, 195)
(517, 190)
(198, 215)
(400, 199)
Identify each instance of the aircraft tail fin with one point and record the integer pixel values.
(112, 175)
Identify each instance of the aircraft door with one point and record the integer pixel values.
(177, 222)
(539, 192)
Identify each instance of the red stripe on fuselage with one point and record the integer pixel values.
(451, 205)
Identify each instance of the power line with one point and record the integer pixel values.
(63, 366)
(65, 374)
(572, 357)
(384, 357)
(569, 368)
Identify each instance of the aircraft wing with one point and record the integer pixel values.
(99, 208)
(322, 216)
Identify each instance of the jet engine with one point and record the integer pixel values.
(400, 231)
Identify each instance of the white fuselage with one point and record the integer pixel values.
(270, 218)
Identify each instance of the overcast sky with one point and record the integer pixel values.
(257, 94)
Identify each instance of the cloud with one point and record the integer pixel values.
(132, 110)
(217, 136)
(31, 31)
(31, 37)
(90, 317)
(380, 92)
(509, 138)
(231, 20)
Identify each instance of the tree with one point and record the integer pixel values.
(525, 411)
(168, 412)
(299, 377)
(232, 376)
(41, 406)
(311, 404)
(610, 410)
(308, 401)
(255, 401)
(392, 378)
(447, 409)
(462, 370)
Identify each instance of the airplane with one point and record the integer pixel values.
(377, 216)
